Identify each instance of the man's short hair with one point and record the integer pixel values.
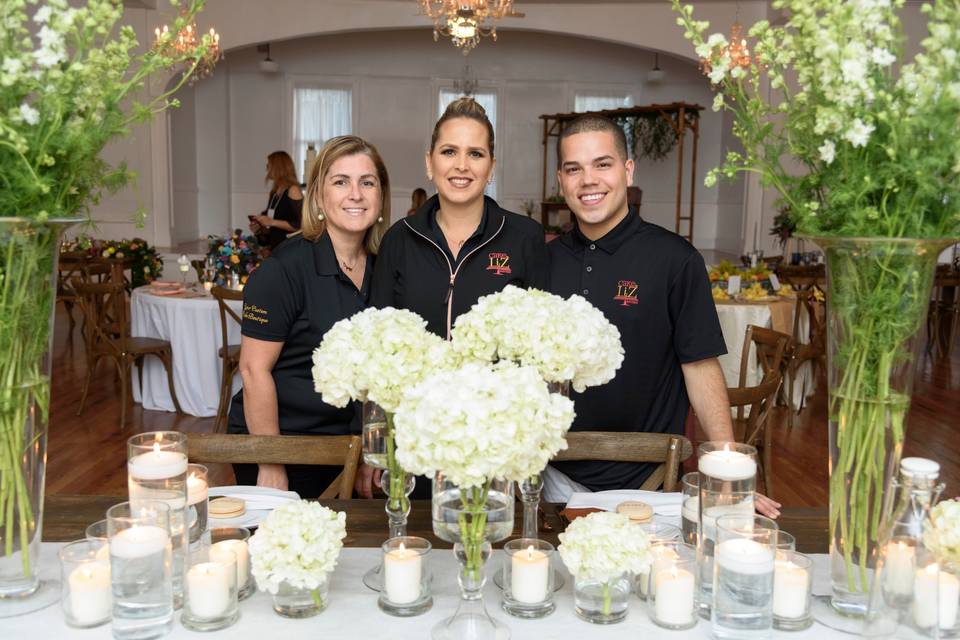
(589, 122)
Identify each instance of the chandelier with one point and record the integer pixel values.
(466, 21)
(467, 84)
(185, 43)
(736, 50)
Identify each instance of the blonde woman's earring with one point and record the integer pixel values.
(319, 216)
(380, 219)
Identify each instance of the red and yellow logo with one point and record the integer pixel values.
(626, 293)
(499, 263)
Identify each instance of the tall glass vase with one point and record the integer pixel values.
(379, 452)
(878, 291)
(29, 250)
(472, 518)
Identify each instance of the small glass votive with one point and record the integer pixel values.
(86, 596)
(235, 541)
(98, 532)
(406, 578)
(196, 501)
(792, 582)
(528, 578)
(743, 572)
(785, 542)
(602, 601)
(656, 532)
(210, 590)
(673, 585)
(690, 513)
(141, 569)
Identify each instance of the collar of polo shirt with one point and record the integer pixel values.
(614, 238)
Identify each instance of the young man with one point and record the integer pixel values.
(650, 283)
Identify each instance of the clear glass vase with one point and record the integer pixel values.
(471, 518)
(28, 289)
(602, 601)
(299, 602)
(878, 291)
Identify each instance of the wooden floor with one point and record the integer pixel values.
(87, 454)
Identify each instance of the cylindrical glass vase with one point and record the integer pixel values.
(28, 287)
(602, 601)
(743, 573)
(197, 501)
(374, 435)
(300, 602)
(690, 512)
(727, 484)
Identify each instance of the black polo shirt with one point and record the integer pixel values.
(415, 268)
(294, 297)
(653, 285)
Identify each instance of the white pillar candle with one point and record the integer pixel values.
(691, 508)
(139, 542)
(90, 597)
(208, 589)
(710, 515)
(157, 464)
(402, 573)
(218, 553)
(899, 568)
(674, 596)
(935, 598)
(196, 489)
(791, 584)
(529, 575)
(742, 555)
(727, 465)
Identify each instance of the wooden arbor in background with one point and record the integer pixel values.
(682, 117)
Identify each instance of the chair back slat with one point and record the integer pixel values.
(221, 295)
(106, 314)
(626, 446)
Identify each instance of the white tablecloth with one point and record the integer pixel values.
(353, 611)
(192, 325)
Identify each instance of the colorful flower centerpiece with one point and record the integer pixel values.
(147, 263)
(602, 550)
(476, 430)
(70, 82)
(874, 178)
(292, 554)
(236, 253)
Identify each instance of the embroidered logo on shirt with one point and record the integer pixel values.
(499, 263)
(626, 293)
(255, 313)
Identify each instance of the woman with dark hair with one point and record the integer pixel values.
(306, 285)
(417, 198)
(284, 204)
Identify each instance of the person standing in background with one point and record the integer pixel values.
(284, 204)
(417, 198)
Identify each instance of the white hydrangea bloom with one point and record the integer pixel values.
(542, 330)
(377, 355)
(602, 546)
(481, 422)
(942, 532)
(297, 543)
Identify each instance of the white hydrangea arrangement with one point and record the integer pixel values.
(565, 340)
(298, 543)
(481, 422)
(941, 533)
(377, 355)
(602, 546)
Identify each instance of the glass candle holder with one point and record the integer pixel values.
(157, 470)
(140, 569)
(792, 582)
(234, 540)
(602, 601)
(406, 578)
(673, 585)
(98, 532)
(690, 513)
(197, 501)
(656, 532)
(210, 590)
(785, 542)
(727, 483)
(743, 577)
(86, 597)
(528, 578)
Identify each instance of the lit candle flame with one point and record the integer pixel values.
(156, 447)
(530, 552)
(932, 569)
(403, 550)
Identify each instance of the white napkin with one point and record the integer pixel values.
(664, 504)
(256, 498)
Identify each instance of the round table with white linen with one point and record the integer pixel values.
(190, 321)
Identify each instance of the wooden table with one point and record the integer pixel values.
(66, 518)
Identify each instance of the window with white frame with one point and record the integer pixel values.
(319, 113)
(487, 100)
(600, 101)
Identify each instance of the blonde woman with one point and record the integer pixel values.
(284, 204)
(305, 286)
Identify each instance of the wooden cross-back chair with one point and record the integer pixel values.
(70, 266)
(754, 403)
(229, 353)
(813, 350)
(667, 449)
(311, 450)
(107, 335)
(943, 319)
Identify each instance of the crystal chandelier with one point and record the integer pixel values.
(467, 84)
(466, 21)
(185, 43)
(736, 50)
